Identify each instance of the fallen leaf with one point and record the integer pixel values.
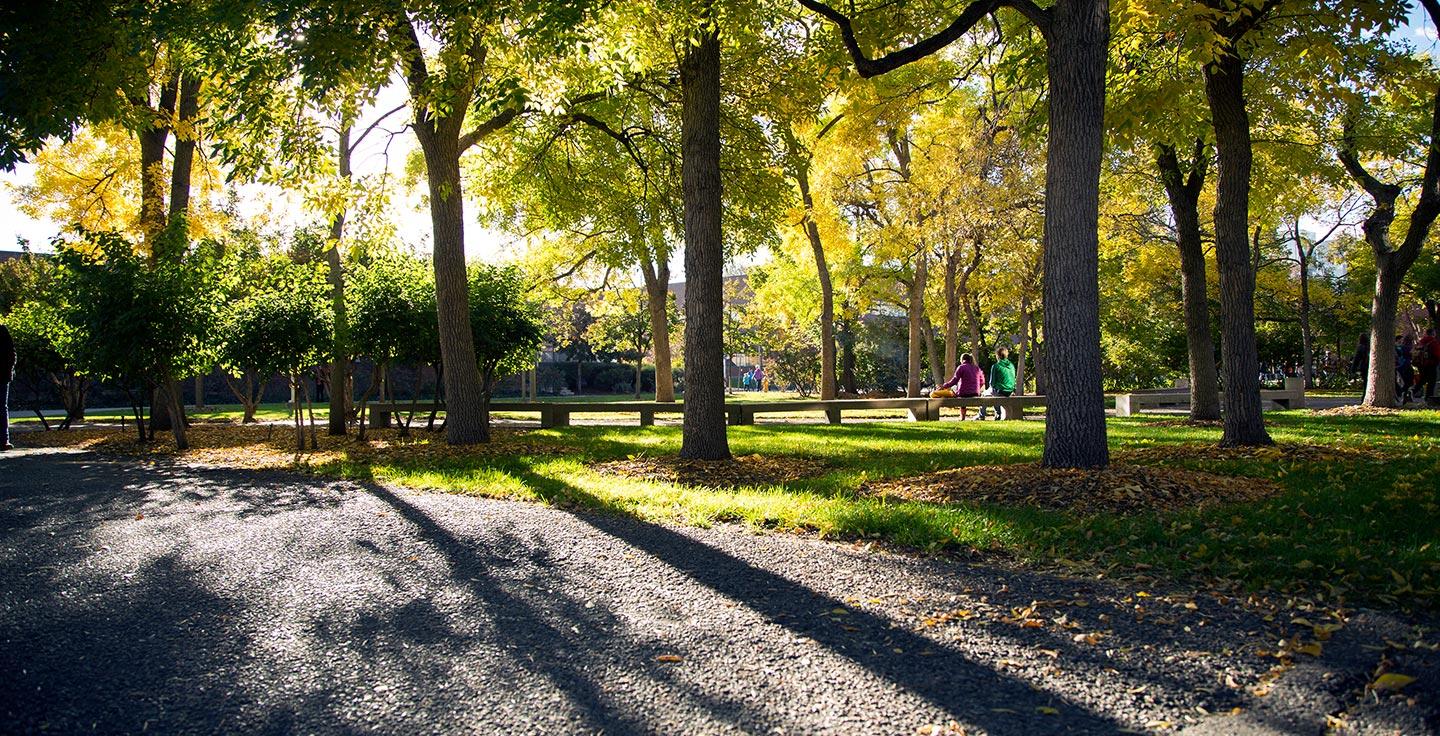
(1391, 682)
(669, 658)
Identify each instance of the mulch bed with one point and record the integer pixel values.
(744, 470)
(1197, 423)
(1119, 489)
(1360, 410)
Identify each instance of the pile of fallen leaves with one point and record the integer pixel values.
(1192, 423)
(1118, 489)
(1360, 410)
(1281, 452)
(274, 445)
(744, 470)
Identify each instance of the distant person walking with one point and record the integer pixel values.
(1404, 371)
(1427, 353)
(967, 382)
(7, 372)
(761, 382)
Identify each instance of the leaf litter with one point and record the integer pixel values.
(1119, 489)
(739, 471)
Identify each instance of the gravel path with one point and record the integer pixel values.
(171, 599)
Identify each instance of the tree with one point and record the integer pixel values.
(136, 323)
(391, 308)
(1400, 116)
(40, 341)
(623, 327)
(1076, 35)
(462, 66)
(507, 328)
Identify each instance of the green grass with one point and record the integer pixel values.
(1359, 527)
(212, 412)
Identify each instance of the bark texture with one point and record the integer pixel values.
(915, 310)
(1183, 190)
(339, 410)
(703, 434)
(657, 301)
(1244, 421)
(1078, 37)
(827, 288)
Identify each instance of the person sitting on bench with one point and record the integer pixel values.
(968, 380)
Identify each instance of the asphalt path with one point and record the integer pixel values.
(163, 598)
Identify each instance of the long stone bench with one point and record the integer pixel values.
(1290, 397)
(557, 413)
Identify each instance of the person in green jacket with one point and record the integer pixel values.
(1001, 378)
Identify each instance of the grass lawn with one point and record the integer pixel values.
(1358, 520)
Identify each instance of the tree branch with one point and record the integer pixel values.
(971, 15)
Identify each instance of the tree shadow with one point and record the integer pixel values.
(948, 679)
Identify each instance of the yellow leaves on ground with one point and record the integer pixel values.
(1122, 489)
(745, 470)
(273, 446)
(669, 658)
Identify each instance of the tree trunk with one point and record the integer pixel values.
(952, 312)
(932, 350)
(199, 392)
(464, 394)
(1307, 334)
(827, 289)
(639, 372)
(1244, 422)
(1022, 349)
(339, 410)
(703, 435)
(657, 295)
(185, 141)
(1076, 60)
(1184, 197)
(846, 339)
(915, 309)
(1380, 382)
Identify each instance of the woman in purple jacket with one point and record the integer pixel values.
(968, 380)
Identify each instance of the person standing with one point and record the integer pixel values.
(1404, 372)
(7, 373)
(1427, 356)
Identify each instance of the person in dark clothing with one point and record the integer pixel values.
(1404, 371)
(7, 372)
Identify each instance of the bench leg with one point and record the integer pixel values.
(1122, 406)
(547, 418)
(832, 414)
(647, 418)
(559, 418)
(379, 419)
(733, 416)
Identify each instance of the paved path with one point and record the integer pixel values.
(170, 599)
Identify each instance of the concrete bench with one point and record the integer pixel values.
(1290, 397)
(557, 413)
(552, 414)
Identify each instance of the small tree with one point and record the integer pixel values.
(39, 336)
(506, 325)
(623, 327)
(137, 323)
(280, 328)
(795, 359)
(390, 304)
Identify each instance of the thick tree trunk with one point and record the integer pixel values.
(703, 434)
(1380, 381)
(657, 301)
(1184, 196)
(152, 184)
(199, 392)
(827, 289)
(1076, 59)
(1244, 422)
(915, 311)
(185, 141)
(339, 410)
(465, 421)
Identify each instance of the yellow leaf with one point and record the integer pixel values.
(1312, 649)
(1047, 710)
(669, 658)
(1391, 681)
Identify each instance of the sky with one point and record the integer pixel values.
(408, 212)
